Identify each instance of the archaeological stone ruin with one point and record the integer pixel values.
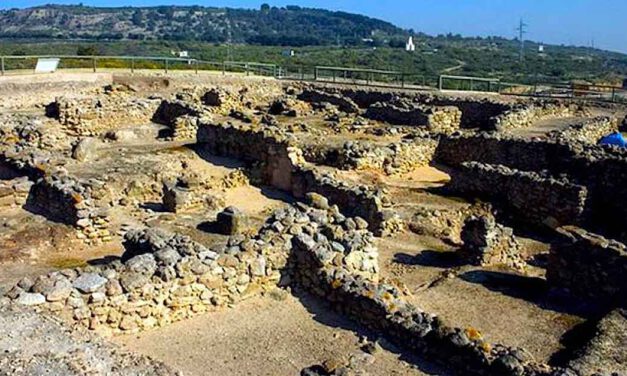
(151, 223)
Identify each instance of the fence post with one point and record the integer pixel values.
(403, 80)
(246, 67)
(223, 67)
(196, 66)
(333, 75)
(440, 83)
(132, 65)
(2, 64)
(315, 73)
(166, 66)
(94, 64)
(613, 94)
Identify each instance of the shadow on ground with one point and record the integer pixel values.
(324, 314)
(532, 289)
(431, 258)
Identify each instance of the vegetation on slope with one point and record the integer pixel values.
(318, 37)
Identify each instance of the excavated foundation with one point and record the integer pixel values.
(436, 227)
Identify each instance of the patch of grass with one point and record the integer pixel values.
(67, 263)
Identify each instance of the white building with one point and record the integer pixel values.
(410, 46)
(183, 54)
(540, 48)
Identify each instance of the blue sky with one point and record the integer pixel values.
(568, 22)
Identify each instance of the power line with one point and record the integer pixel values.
(522, 30)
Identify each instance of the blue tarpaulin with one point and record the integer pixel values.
(615, 138)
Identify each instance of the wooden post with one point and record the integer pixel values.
(334, 75)
(403, 80)
(613, 94)
(316, 74)
(2, 64)
(223, 67)
(246, 67)
(196, 66)
(166, 66)
(132, 65)
(94, 64)
(440, 83)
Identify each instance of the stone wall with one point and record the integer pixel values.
(365, 98)
(170, 110)
(318, 96)
(394, 158)
(479, 113)
(436, 119)
(284, 167)
(589, 265)
(161, 278)
(14, 192)
(268, 146)
(324, 265)
(476, 113)
(18, 161)
(588, 131)
(98, 113)
(67, 200)
(521, 154)
(605, 353)
(353, 200)
(488, 243)
(524, 115)
(535, 198)
(601, 169)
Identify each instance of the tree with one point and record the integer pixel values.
(138, 18)
(265, 8)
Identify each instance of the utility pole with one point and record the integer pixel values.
(522, 30)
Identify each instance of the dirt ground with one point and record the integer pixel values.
(268, 337)
(505, 307)
(280, 333)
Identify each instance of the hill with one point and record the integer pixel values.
(319, 37)
(289, 26)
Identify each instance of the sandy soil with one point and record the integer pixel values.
(506, 308)
(266, 337)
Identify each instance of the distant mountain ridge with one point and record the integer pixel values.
(291, 25)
